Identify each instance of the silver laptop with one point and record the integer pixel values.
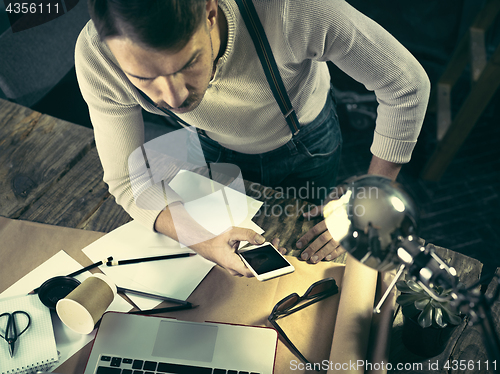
(137, 344)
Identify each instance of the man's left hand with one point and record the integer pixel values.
(318, 242)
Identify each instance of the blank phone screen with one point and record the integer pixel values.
(264, 259)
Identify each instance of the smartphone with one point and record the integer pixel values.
(265, 262)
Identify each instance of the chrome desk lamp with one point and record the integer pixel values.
(376, 221)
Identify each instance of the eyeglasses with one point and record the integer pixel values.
(316, 292)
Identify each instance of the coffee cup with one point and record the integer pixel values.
(81, 309)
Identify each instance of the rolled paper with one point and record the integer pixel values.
(354, 316)
(378, 352)
(84, 306)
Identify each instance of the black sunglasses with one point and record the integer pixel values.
(316, 292)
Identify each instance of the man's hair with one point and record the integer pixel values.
(156, 24)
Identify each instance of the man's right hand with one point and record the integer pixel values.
(222, 249)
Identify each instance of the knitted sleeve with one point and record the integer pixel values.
(332, 30)
(118, 130)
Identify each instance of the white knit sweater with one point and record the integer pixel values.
(239, 110)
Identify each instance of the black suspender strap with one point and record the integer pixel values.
(266, 57)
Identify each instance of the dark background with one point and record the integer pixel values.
(461, 211)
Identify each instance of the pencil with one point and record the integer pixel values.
(78, 272)
(154, 296)
(146, 259)
(164, 310)
(99, 263)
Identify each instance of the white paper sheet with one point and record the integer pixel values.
(214, 206)
(175, 278)
(67, 341)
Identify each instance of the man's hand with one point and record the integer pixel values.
(320, 244)
(221, 249)
(384, 168)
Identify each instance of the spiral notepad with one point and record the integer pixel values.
(36, 348)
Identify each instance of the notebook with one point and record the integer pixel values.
(35, 349)
(128, 343)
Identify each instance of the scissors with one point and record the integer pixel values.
(11, 334)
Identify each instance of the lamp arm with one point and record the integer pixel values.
(378, 308)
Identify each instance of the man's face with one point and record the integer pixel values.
(173, 80)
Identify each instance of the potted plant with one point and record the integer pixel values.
(428, 323)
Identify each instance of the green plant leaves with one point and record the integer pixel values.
(408, 298)
(408, 286)
(425, 318)
(438, 317)
(418, 304)
(422, 303)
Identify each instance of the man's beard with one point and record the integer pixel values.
(188, 105)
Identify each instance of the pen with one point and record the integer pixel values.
(154, 296)
(164, 310)
(78, 272)
(146, 259)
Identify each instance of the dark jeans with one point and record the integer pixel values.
(306, 167)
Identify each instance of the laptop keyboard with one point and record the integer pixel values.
(119, 365)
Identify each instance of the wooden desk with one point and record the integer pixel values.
(50, 173)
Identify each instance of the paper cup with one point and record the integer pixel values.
(84, 306)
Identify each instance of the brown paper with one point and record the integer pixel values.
(221, 297)
(352, 332)
(26, 245)
(224, 298)
(378, 352)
